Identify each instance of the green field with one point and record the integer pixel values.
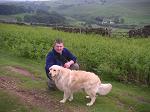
(123, 62)
(133, 11)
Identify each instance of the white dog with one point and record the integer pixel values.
(70, 81)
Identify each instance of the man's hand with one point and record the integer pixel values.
(68, 64)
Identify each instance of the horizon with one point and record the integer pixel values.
(26, 0)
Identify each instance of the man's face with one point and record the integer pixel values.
(59, 47)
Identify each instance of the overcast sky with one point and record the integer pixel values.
(26, 0)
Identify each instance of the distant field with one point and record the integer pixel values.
(134, 11)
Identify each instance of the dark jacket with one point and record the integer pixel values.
(54, 58)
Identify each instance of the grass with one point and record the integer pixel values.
(89, 49)
(11, 103)
(134, 12)
(116, 58)
(123, 98)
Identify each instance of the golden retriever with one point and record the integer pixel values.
(70, 81)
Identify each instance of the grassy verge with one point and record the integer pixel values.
(123, 97)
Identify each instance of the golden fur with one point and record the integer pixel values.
(70, 81)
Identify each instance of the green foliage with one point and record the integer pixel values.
(11, 9)
(132, 11)
(19, 19)
(121, 59)
(45, 17)
(122, 98)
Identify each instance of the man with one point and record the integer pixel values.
(61, 56)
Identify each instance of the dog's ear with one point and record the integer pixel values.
(50, 68)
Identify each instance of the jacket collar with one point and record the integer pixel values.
(56, 53)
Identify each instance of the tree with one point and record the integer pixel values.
(42, 16)
(122, 20)
(11, 9)
(19, 19)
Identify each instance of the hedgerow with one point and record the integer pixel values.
(123, 59)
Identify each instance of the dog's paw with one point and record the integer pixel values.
(62, 101)
(89, 104)
(70, 99)
(87, 97)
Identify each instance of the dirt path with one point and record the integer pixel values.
(21, 71)
(31, 98)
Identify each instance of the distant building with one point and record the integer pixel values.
(108, 21)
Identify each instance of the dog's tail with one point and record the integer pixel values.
(104, 89)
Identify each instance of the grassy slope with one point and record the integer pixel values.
(134, 11)
(123, 98)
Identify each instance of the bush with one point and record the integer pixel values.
(121, 59)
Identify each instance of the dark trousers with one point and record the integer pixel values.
(51, 84)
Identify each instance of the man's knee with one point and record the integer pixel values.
(74, 66)
(51, 84)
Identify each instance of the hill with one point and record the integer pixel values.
(82, 12)
(133, 11)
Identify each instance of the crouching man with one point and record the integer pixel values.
(61, 56)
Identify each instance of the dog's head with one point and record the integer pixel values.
(54, 70)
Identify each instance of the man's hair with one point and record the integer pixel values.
(58, 41)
